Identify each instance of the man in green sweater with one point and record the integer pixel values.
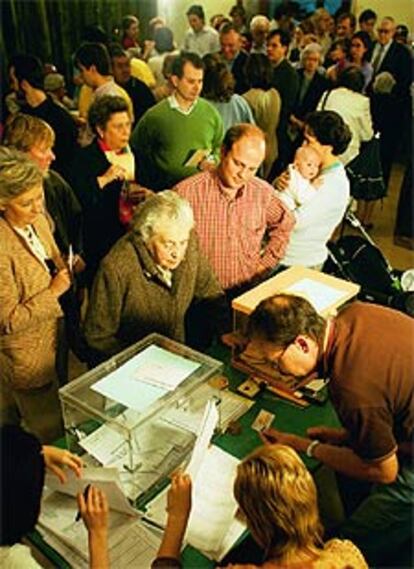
(182, 134)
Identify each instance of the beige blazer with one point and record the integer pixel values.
(29, 312)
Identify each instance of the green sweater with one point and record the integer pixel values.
(164, 140)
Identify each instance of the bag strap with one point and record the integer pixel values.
(328, 92)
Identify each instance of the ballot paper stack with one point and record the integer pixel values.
(130, 542)
(213, 527)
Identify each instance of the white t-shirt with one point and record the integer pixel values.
(317, 218)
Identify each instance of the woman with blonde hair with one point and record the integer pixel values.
(33, 276)
(277, 497)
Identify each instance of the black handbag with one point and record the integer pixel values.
(365, 172)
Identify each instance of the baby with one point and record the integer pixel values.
(303, 178)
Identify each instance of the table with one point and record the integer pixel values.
(288, 417)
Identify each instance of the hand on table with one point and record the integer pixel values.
(272, 436)
(57, 458)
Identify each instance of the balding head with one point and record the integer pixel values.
(242, 153)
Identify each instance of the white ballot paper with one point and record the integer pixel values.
(212, 527)
(205, 433)
(107, 479)
(130, 543)
(319, 295)
(146, 377)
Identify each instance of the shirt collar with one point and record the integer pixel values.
(172, 100)
(105, 148)
(223, 189)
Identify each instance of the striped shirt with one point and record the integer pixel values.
(231, 230)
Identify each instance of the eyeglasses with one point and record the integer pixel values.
(275, 362)
(383, 31)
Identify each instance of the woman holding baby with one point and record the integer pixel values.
(318, 215)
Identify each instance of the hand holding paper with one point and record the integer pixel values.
(179, 497)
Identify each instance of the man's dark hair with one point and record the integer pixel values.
(103, 108)
(92, 53)
(345, 16)
(196, 10)
(351, 77)
(367, 15)
(116, 50)
(283, 35)
(182, 59)
(238, 131)
(94, 33)
(22, 470)
(29, 68)
(258, 71)
(283, 317)
(164, 40)
(228, 27)
(329, 128)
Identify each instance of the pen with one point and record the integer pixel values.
(85, 497)
(70, 259)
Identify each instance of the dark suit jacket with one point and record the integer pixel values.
(398, 62)
(237, 70)
(285, 80)
(318, 85)
(141, 97)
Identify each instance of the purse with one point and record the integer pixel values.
(365, 172)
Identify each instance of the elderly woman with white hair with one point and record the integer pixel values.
(33, 277)
(149, 279)
(312, 83)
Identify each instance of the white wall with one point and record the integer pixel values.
(401, 10)
(174, 13)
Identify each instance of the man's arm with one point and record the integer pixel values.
(341, 459)
(280, 223)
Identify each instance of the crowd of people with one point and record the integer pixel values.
(175, 177)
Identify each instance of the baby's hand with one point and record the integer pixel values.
(317, 182)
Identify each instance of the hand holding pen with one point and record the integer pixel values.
(93, 508)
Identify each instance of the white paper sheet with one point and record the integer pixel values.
(212, 527)
(146, 377)
(129, 542)
(107, 479)
(321, 296)
(205, 434)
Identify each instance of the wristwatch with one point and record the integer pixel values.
(309, 451)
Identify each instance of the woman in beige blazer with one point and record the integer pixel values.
(32, 278)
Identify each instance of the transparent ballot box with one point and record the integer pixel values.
(140, 410)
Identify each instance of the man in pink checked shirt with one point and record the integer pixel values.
(242, 225)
